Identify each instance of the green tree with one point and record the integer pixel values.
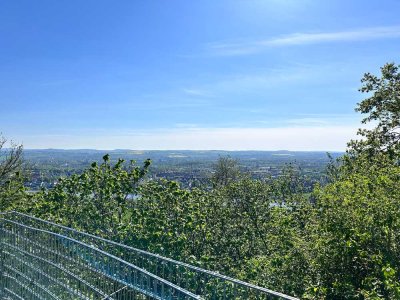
(355, 233)
(383, 110)
(354, 228)
(225, 170)
(96, 201)
(171, 221)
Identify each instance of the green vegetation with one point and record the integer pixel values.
(335, 240)
(226, 170)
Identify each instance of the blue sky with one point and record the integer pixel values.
(235, 75)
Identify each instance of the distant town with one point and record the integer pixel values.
(189, 168)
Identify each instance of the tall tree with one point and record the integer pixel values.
(383, 110)
(226, 170)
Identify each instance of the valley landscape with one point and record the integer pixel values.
(199, 150)
(189, 168)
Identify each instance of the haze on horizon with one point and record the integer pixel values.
(229, 74)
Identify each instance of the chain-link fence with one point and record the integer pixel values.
(43, 260)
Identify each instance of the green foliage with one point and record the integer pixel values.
(356, 232)
(226, 170)
(383, 108)
(341, 245)
(169, 220)
(267, 219)
(95, 201)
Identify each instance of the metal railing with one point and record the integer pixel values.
(85, 266)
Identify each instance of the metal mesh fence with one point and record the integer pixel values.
(43, 260)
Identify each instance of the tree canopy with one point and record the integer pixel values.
(383, 110)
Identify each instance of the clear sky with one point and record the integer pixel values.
(207, 74)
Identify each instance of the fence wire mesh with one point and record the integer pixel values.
(43, 260)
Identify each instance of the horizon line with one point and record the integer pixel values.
(194, 150)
